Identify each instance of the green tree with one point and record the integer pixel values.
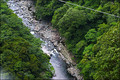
(106, 61)
(91, 35)
(20, 51)
(58, 14)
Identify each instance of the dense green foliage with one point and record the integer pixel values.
(20, 51)
(46, 8)
(92, 37)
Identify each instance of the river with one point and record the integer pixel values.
(21, 8)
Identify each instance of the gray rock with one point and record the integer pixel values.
(46, 33)
(75, 72)
(55, 43)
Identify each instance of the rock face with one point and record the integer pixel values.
(75, 72)
(72, 69)
(25, 9)
(65, 53)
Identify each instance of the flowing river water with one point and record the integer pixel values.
(21, 8)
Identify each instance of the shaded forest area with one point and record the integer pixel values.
(21, 56)
(92, 37)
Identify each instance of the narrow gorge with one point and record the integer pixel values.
(60, 39)
(60, 58)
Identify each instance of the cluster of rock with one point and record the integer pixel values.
(25, 9)
(72, 68)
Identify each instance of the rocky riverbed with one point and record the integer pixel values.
(53, 42)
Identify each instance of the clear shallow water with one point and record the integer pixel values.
(59, 65)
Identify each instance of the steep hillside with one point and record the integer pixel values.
(21, 57)
(92, 37)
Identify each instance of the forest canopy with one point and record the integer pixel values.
(21, 56)
(92, 37)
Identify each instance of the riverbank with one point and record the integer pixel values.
(45, 31)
